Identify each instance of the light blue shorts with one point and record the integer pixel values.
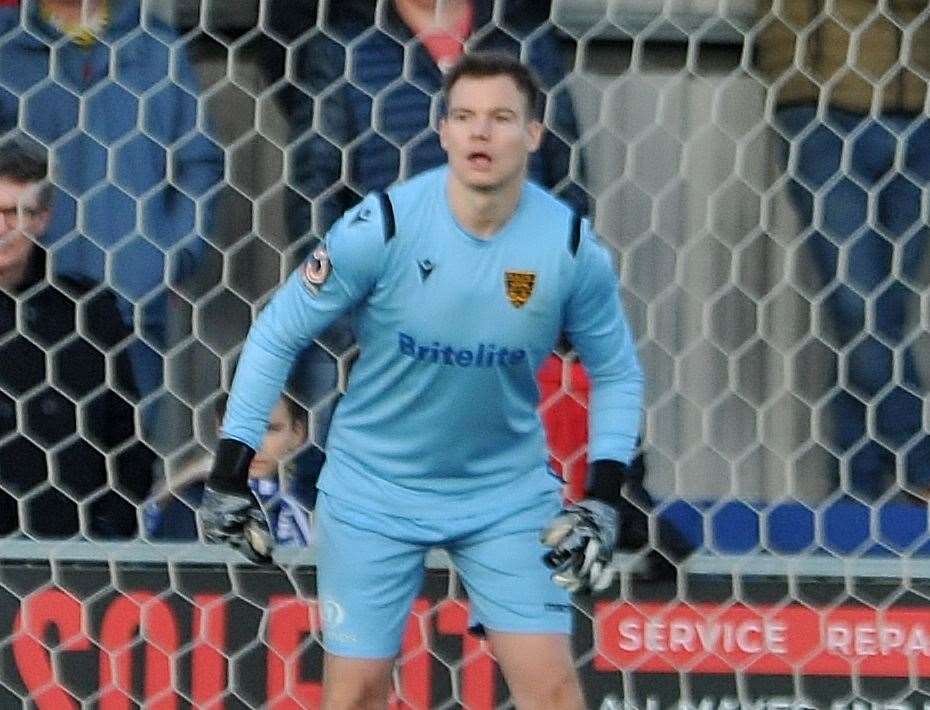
(371, 567)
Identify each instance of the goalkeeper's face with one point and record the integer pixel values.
(22, 220)
(488, 132)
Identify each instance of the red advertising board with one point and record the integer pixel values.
(763, 639)
(210, 636)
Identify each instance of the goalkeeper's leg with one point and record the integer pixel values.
(538, 669)
(526, 616)
(368, 576)
(356, 683)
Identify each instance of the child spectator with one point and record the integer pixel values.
(170, 515)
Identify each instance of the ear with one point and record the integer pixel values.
(443, 124)
(534, 135)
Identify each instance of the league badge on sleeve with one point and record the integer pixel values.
(316, 270)
(519, 286)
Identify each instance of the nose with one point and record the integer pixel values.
(481, 127)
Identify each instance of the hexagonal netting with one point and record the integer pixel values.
(759, 167)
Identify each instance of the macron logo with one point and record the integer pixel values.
(363, 215)
(484, 355)
(426, 268)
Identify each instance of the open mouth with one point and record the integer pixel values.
(479, 160)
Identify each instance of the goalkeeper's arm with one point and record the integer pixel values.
(584, 535)
(230, 513)
(337, 276)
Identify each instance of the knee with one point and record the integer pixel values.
(366, 694)
(557, 690)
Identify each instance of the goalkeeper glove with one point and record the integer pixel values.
(229, 512)
(583, 536)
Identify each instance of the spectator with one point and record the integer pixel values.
(401, 62)
(59, 421)
(115, 99)
(171, 514)
(859, 160)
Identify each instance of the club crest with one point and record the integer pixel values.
(519, 286)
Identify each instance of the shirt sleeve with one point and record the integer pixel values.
(598, 330)
(338, 275)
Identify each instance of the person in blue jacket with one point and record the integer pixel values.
(458, 283)
(113, 95)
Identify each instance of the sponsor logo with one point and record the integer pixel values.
(340, 636)
(426, 268)
(317, 269)
(483, 355)
(519, 286)
(332, 613)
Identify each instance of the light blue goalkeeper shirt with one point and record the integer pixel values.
(440, 417)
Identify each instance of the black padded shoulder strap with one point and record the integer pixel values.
(387, 213)
(574, 240)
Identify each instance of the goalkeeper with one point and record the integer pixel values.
(459, 282)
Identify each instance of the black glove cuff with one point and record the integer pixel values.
(230, 472)
(605, 481)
